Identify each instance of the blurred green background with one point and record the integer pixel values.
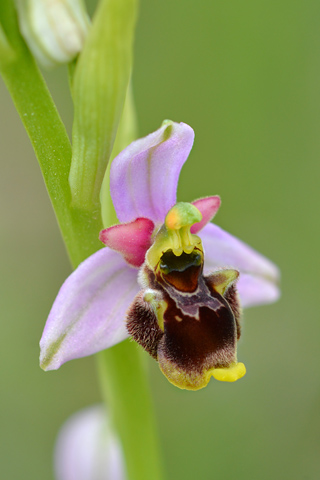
(246, 77)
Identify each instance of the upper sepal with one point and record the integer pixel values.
(144, 176)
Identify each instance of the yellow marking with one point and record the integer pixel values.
(229, 374)
(179, 319)
(182, 214)
(172, 219)
(195, 381)
(223, 279)
(159, 307)
(148, 297)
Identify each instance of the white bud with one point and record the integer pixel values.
(54, 30)
(87, 449)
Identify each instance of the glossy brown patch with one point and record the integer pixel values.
(186, 281)
(183, 271)
(200, 343)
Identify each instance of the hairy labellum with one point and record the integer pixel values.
(187, 321)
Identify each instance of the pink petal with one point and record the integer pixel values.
(87, 449)
(208, 206)
(260, 285)
(132, 239)
(88, 314)
(144, 176)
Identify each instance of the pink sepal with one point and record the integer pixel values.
(132, 239)
(144, 176)
(208, 206)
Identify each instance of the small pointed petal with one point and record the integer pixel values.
(144, 176)
(260, 284)
(87, 449)
(88, 314)
(208, 207)
(132, 239)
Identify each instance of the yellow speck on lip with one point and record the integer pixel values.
(230, 374)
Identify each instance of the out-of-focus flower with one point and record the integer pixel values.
(87, 449)
(54, 30)
(183, 308)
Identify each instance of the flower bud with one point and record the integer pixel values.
(87, 449)
(54, 30)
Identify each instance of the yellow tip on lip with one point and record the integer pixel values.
(229, 374)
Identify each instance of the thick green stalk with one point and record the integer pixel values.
(53, 150)
(130, 404)
(126, 391)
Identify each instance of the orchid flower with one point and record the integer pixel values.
(173, 281)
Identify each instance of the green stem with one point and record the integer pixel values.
(126, 390)
(53, 150)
